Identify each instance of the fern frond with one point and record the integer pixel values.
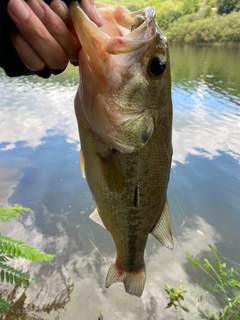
(10, 213)
(4, 305)
(18, 248)
(12, 275)
(3, 258)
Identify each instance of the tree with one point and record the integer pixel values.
(190, 6)
(227, 6)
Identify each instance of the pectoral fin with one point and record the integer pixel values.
(162, 231)
(82, 164)
(96, 218)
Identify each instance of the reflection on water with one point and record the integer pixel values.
(39, 168)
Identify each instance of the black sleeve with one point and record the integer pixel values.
(9, 59)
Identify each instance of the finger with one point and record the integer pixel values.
(34, 31)
(61, 9)
(56, 25)
(26, 53)
(89, 7)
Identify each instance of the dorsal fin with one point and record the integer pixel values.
(162, 230)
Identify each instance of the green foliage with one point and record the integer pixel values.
(175, 297)
(194, 28)
(166, 18)
(207, 12)
(11, 213)
(223, 282)
(4, 305)
(227, 6)
(190, 6)
(11, 249)
(18, 248)
(13, 276)
(193, 21)
(210, 3)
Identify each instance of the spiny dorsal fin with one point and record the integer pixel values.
(134, 281)
(162, 230)
(96, 218)
(82, 164)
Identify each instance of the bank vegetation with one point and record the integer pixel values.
(194, 21)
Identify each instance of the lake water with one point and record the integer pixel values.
(39, 168)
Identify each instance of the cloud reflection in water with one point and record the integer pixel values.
(36, 116)
(200, 127)
(31, 111)
(87, 271)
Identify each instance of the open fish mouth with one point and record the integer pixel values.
(115, 88)
(128, 32)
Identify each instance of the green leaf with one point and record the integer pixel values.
(10, 249)
(185, 309)
(4, 305)
(20, 248)
(2, 275)
(11, 274)
(17, 281)
(11, 213)
(3, 258)
(193, 261)
(25, 282)
(234, 283)
(35, 279)
(17, 252)
(7, 277)
(11, 278)
(13, 251)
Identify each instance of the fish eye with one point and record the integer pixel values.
(157, 66)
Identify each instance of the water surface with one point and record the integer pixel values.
(39, 168)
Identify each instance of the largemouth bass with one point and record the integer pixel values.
(124, 113)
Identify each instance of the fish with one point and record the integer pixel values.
(123, 108)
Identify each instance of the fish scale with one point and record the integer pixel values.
(124, 118)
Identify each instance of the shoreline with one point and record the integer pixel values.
(214, 44)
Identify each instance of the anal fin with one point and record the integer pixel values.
(96, 218)
(134, 281)
(162, 230)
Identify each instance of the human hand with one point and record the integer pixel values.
(45, 37)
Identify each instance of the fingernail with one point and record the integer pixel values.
(36, 6)
(60, 8)
(19, 9)
(92, 12)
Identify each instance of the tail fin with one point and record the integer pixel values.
(134, 281)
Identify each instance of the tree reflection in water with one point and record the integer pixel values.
(23, 310)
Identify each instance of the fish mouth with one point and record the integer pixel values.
(122, 32)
